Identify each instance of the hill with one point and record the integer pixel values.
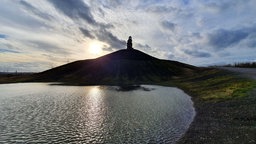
(120, 67)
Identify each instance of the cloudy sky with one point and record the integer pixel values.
(36, 35)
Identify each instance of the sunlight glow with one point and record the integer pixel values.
(95, 48)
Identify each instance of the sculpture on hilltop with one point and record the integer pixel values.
(129, 43)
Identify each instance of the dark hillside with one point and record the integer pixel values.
(123, 66)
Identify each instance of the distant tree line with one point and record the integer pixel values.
(243, 65)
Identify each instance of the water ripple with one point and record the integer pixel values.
(40, 113)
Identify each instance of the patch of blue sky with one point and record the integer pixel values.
(3, 36)
(8, 51)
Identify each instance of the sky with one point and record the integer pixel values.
(36, 35)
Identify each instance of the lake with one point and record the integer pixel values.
(44, 113)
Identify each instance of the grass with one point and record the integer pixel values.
(216, 85)
(225, 105)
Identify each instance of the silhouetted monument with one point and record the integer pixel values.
(129, 43)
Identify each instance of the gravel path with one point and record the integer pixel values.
(247, 72)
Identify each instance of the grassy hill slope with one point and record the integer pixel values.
(120, 67)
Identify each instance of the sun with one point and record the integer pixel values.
(95, 48)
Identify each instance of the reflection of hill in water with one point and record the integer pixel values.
(125, 88)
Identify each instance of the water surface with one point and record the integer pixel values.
(42, 113)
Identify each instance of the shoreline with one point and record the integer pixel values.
(231, 121)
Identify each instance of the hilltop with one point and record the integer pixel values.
(120, 67)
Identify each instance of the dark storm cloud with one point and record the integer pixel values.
(87, 33)
(221, 39)
(75, 9)
(108, 37)
(169, 25)
(196, 53)
(35, 11)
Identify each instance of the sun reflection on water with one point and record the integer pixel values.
(95, 113)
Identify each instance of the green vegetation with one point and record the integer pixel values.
(225, 105)
(213, 84)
